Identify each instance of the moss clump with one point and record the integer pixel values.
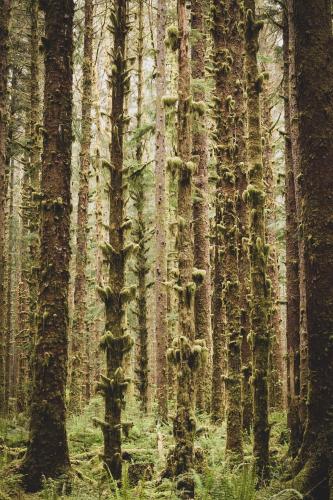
(172, 39)
(254, 196)
(198, 276)
(169, 101)
(174, 163)
(198, 107)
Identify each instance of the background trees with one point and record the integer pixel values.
(199, 146)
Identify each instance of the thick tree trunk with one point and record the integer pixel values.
(161, 217)
(202, 304)
(260, 289)
(292, 265)
(47, 453)
(80, 287)
(314, 99)
(5, 6)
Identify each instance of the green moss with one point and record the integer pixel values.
(172, 40)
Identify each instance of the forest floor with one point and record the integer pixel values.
(146, 444)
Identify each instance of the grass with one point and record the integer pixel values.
(219, 480)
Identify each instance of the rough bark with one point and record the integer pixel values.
(294, 121)
(161, 214)
(292, 265)
(276, 356)
(185, 353)
(260, 286)
(202, 303)
(227, 38)
(5, 6)
(47, 453)
(80, 286)
(140, 232)
(314, 99)
(116, 342)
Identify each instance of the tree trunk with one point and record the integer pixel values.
(161, 217)
(5, 6)
(314, 100)
(140, 233)
(116, 342)
(47, 453)
(292, 265)
(230, 150)
(202, 304)
(185, 354)
(294, 119)
(80, 287)
(260, 288)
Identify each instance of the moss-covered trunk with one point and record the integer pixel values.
(292, 265)
(260, 286)
(202, 304)
(228, 40)
(47, 453)
(276, 364)
(116, 342)
(185, 353)
(314, 100)
(5, 6)
(80, 288)
(161, 215)
(140, 231)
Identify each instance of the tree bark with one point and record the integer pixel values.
(161, 217)
(260, 288)
(47, 453)
(314, 99)
(5, 6)
(202, 303)
(80, 287)
(292, 264)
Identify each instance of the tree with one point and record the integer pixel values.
(185, 353)
(260, 285)
(229, 153)
(47, 453)
(314, 99)
(80, 288)
(116, 341)
(202, 303)
(140, 230)
(5, 6)
(292, 263)
(160, 225)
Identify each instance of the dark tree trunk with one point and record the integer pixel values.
(47, 453)
(314, 98)
(260, 289)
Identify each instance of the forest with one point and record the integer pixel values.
(166, 249)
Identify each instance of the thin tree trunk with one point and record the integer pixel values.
(116, 342)
(5, 6)
(292, 265)
(161, 217)
(202, 304)
(47, 453)
(260, 290)
(80, 286)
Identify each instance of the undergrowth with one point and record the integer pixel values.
(146, 444)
